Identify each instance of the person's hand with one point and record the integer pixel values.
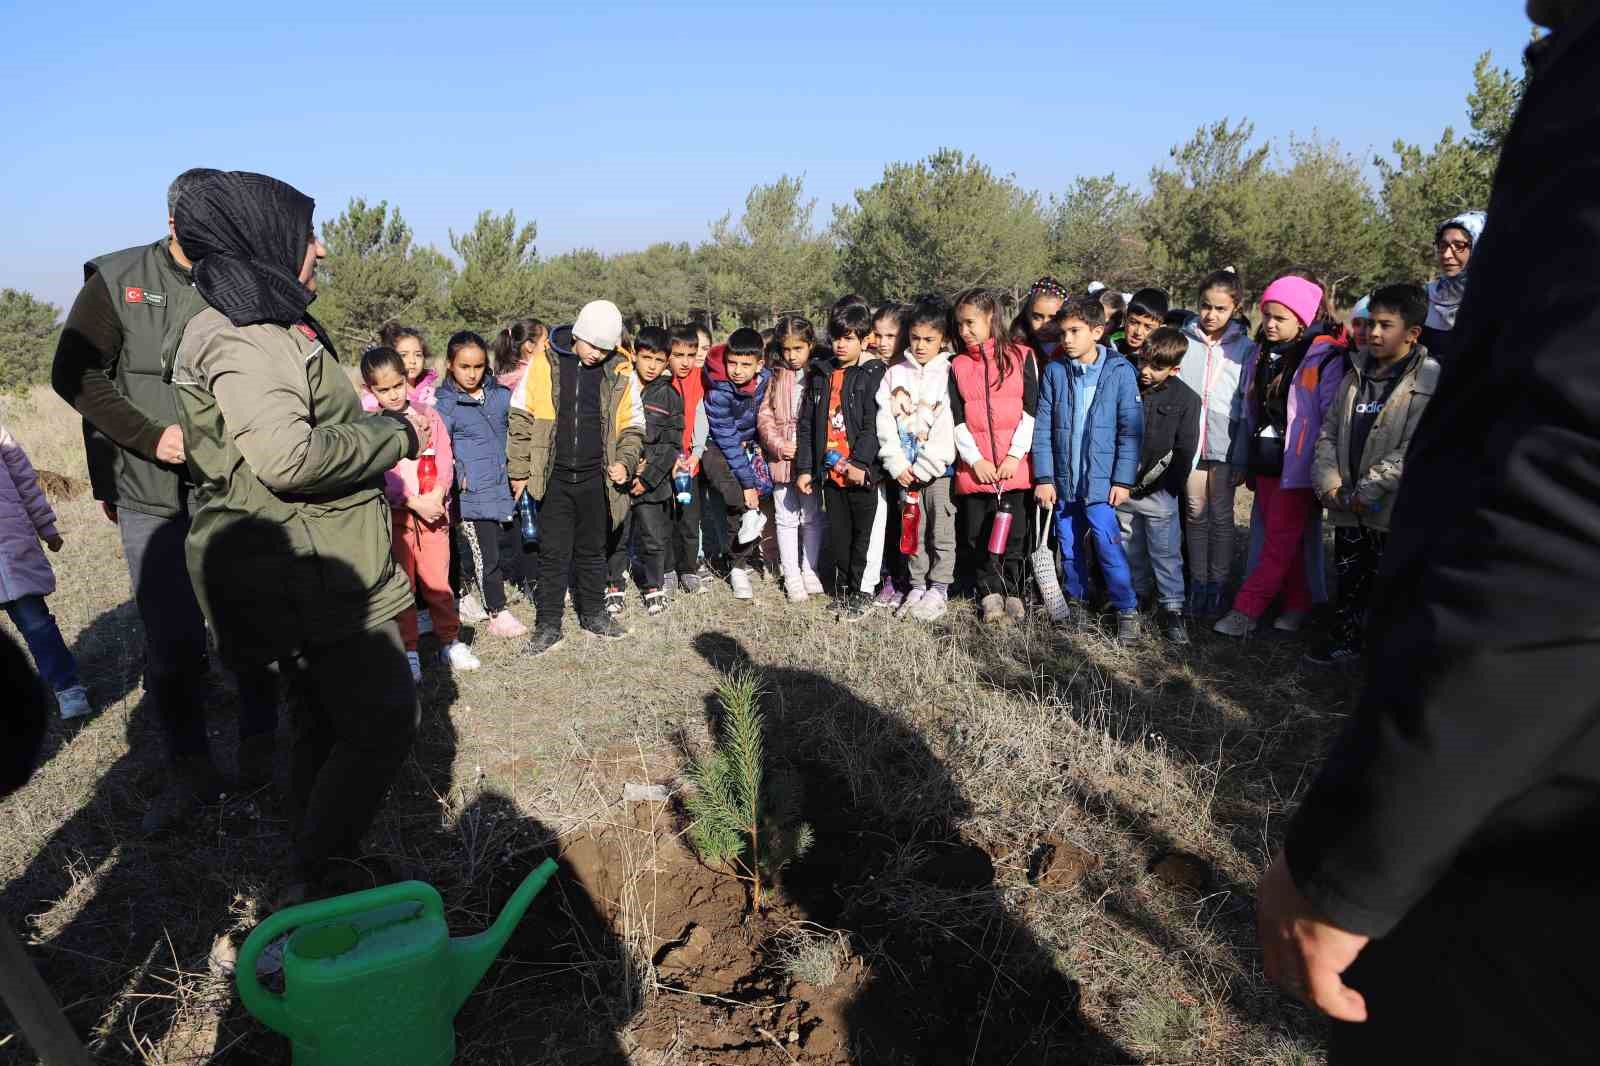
(54, 543)
(639, 470)
(907, 478)
(854, 475)
(637, 489)
(985, 472)
(1007, 468)
(1302, 953)
(1045, 496)
(424, 427)
(752, 499)
(110, 511)
(788, 452)
(169, 449)
(517, 488)
(1119, 495)
(803, 483)
(428, 506)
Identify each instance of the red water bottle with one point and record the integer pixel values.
(1000, 532)
(427, 472)
(910, 522)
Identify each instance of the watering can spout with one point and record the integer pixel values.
(471, 955)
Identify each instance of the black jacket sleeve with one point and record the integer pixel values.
(86, 356)
(1477, 735)
(805, 448)
(1184, 446)
(958, 406)
(1030, 385)
(864, 434)
(663, 432)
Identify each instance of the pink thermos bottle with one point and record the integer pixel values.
(1000, 532)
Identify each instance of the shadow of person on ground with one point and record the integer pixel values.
(952, 976)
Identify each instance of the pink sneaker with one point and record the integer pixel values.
(505, 624)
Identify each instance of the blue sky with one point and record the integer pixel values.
(613, 125)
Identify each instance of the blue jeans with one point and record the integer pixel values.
(51, 655)
(1077, 522)
(1155, 547)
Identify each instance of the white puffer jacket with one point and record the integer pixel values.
(921, 414)
(1215, 371)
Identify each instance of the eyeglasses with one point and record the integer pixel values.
(1458, 247)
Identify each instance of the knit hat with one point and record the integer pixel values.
(1096, 286)
(1470, 222)
(1297, 294)
(600, 324)
(1362, 309)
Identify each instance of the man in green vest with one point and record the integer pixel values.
(112, 365)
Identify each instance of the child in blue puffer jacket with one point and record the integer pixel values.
(736, 383)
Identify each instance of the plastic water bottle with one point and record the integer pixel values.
(683, 483)
(910, 522)
(1000, 532)
(831, 460)
(427, 472)
(528, 520)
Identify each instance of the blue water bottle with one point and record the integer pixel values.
(528, 520)
(831, 460)
(683, 483)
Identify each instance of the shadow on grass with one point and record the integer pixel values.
(952, 976)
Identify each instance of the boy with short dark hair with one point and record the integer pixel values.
(1361, 453)
(649, 520)
(683, 555)
(1149, 517)
(1147, 312)
(736, 382)
(1086, 439)
(836, 448)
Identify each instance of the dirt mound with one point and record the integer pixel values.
(61, 487)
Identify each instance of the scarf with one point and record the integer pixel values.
(246, 235)
(1444, 300)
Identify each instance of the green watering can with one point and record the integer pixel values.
(373, 977)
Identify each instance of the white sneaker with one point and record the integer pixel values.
(73, 702)
(739, 578)
(1290, 621)
(424, 623)
(812, 582)
(460, 657)
(471, 610)
(751, 525)
(416, 666)
(794, 587)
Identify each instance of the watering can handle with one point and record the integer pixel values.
(268, 1006)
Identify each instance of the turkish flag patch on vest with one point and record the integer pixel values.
(310, 333)
(132, 295)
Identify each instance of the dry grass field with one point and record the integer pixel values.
(1034, 846)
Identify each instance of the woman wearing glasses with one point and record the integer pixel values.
(1453, 241)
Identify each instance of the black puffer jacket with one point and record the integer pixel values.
(859, 401)
(1171, 437)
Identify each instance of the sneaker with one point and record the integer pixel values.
(1127, 626)
(1235, 624)
(794, 587)
(424, 623)
(459, 657)
(616, 600)
(1290, 621)
(655, 601)
(994, 608)
(1016, 610)
(751, 525)
(471, 610)
(1333, 654)
(690, 583)
(544, 638)
(73, 702)
(909, 604)
(813, 583)
(669, 581)
(739, 578)
(889, 596)
(415, 663)
(505, 624)
(852, 607)
(1172, 627)
(603, 625)
(194, 783)
(932, 605)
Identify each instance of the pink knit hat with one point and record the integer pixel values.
(1298, 295)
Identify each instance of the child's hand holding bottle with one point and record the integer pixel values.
(428, 506)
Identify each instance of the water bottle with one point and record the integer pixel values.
(1000, 532)
(427, 472)
(831, 460)
(683, 483)
(910, 521)
(528, 520)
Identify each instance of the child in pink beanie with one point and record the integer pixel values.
(1286, 392)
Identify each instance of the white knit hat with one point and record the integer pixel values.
(599, 323)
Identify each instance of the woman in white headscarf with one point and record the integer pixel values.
(1454, 241)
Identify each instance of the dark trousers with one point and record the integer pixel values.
(849, 513)
(995, 574)
(895, 564)
(727, 489)
(51, 656)
(714, 540)
(619, 552)
(175, 639)
(480, 555)
(1492, 968)
(574, 524)
(1357, 551)
(683, 549)
(516, 562)
(652, 529)
(355, 714)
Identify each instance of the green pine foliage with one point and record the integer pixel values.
(746, 813)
